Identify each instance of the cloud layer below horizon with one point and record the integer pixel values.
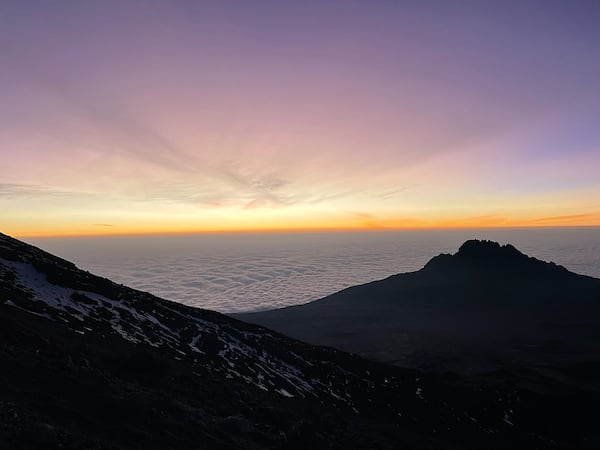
(120, 117)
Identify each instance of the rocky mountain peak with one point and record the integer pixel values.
(489, 250)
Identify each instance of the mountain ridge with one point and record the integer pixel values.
(88, 363)
(490, 254)
(485, 292)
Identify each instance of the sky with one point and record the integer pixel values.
(131, 116)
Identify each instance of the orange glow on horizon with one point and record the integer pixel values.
(215, 128)
(442, 226)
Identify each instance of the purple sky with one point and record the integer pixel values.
(127, 116)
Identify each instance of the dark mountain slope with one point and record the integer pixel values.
(89, 364)
(483, 308)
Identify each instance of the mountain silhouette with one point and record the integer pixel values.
(90, 364)
(483, 307)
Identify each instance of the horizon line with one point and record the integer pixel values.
(291, 231)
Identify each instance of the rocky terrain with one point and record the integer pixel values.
(90, 364)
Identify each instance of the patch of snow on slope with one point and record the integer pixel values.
(241, 353)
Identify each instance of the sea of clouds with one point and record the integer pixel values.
(248, 272)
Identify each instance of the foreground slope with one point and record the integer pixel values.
(480, 309)
(87, 363)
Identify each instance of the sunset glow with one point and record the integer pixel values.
(164, 117)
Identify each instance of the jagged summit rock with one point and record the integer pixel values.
(476, 248)
(481, 255)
